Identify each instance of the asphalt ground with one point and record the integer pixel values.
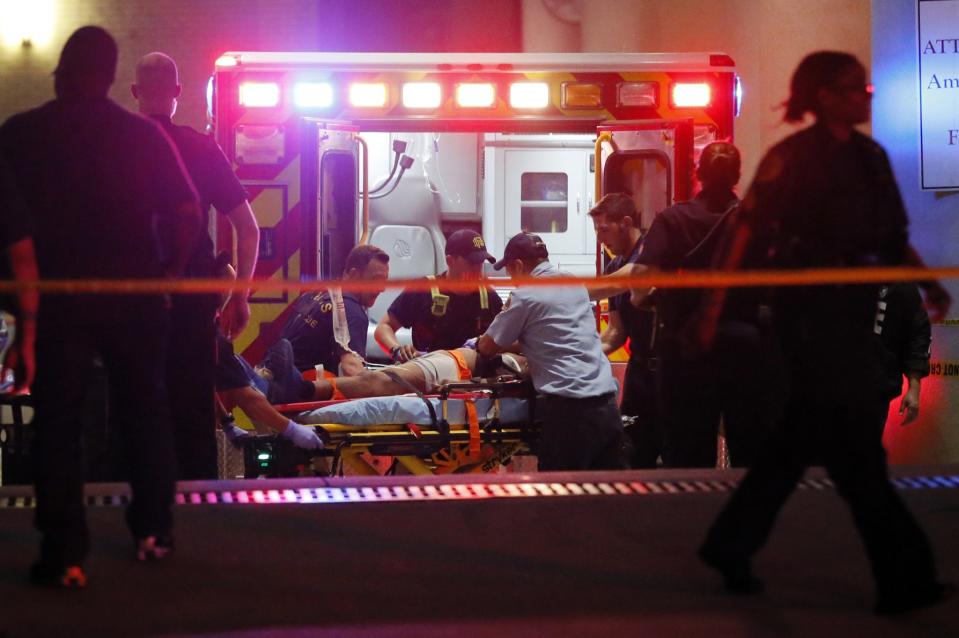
(612, 564)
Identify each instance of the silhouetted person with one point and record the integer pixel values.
(192, 353)
(97, 180)
(826, 197)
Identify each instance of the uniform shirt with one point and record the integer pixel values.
(557, 330)
(310, 330)
(14, 226)
(215, 182)
(96, 180)
(639, 323)
(464, 318)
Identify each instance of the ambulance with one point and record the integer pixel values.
(401, 149)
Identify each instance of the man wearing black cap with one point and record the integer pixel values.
(192, 361)
(443, 319)
(99, 182)
(556, 329)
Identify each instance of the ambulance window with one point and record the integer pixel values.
(544, 205)
(645, 175)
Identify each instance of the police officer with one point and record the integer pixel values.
(443, 319)
(311, 332)
(617, 224)
(556, 330)
(193, 339)
(98, 181)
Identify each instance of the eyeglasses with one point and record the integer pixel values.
(859, 87)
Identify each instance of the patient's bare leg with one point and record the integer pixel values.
(372, 384)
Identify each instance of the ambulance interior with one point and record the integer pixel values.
(425, 185)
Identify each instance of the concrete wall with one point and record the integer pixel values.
(195, 33)
(766, 39)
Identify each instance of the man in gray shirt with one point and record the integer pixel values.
(556, 330)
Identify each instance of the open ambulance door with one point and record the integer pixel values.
(652, 161)
(341, 216)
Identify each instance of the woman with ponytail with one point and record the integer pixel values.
(826, 197)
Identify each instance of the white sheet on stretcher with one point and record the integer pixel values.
(411, 409)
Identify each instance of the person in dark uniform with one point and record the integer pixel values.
(97, 181)
(442, 319)
(905, 336)
(616, 222)
(826, 197)
(192, 338)
(311, 330)
(729, 384)
(20, 264)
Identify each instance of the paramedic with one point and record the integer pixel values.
(98, 182)
(443, 319)
(556, 331)
(826, 196)
(311, 330)
(190, 368)
(616, 221)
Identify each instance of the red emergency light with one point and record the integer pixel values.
(529, 95)
(259, 94)
(691, 94)
(475, 95)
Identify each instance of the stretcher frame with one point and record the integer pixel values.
(421, 449)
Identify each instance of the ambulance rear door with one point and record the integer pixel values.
(651, 160)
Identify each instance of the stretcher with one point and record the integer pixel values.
(466, 426)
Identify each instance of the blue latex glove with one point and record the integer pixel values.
(302, 436)
(234, 433)
(471, 343)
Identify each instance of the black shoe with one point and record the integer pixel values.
(737, 574)
(286, 378)
(906, 600)
(57, 576)
(153, 548)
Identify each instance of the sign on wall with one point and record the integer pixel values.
(938, 41)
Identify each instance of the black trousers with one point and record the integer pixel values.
(191, 371)
(580, 434)
(837, 424)
(740, 382)
(132, 346)
(641, 400)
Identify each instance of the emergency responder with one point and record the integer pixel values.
(731, 382)
(19, 263)
(556, 331)
(443, 319)
(905, 336)
(311, 330)
(98, 181)
(617, 224)
(826, 197)
(190, 368)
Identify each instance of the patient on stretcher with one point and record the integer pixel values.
(423, 374)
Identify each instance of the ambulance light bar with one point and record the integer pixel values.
(368, 94)
(691, 95)
(313, 95)
(475, 95)
(259, 94)
(582, 95)
(638, 94)
(422, 95)
(529, 95)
